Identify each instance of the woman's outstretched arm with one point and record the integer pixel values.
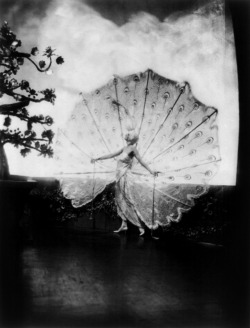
(141, 161)
(117, 153)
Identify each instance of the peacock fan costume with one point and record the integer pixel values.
(172, 149)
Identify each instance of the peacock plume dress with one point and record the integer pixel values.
(178, 136)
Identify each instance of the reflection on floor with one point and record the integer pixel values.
(100, 279)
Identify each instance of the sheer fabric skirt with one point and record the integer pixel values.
(143, 201)
(124, 202)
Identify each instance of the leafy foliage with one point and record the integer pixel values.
(209, 221)
(11, 61)
(62, 209)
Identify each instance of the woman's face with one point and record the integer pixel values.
(130, 139)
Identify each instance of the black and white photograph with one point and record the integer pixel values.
(124, 163)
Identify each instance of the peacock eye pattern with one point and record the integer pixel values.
(174, 123)
(192, 152)
(136, 78)
(196, 106)
(175, 126)
(198, 134)
(180, 147)
(181, 108)
(210, 140)
(188, 124)
(211, 158)
(166, 95)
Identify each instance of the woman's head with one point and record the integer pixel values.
(131, 137)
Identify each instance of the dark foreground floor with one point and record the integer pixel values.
(100, 279)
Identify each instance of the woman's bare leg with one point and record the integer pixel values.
(123, 227)
(142, 231)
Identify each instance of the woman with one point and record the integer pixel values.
(125, 207)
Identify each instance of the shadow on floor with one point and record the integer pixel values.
(107, 280)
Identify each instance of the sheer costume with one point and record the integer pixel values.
(178, 137)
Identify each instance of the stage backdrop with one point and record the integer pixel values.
(191, 42)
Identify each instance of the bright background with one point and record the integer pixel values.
(192, 42)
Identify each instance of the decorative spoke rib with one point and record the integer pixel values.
(144, 105)
(89, 172)
(166, 149)
(162, 124)
(153, 205)
(192, 166)
(119, 114)
(176, 170)
(173, 198)
(167, 195)
(97, 127)
(75, 145)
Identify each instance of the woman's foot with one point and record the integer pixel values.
(142, 231)
(153, 236)
(123, 227)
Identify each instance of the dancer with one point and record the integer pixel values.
(177, 134)
(125, 207)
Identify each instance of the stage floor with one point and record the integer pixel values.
(99, 279)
